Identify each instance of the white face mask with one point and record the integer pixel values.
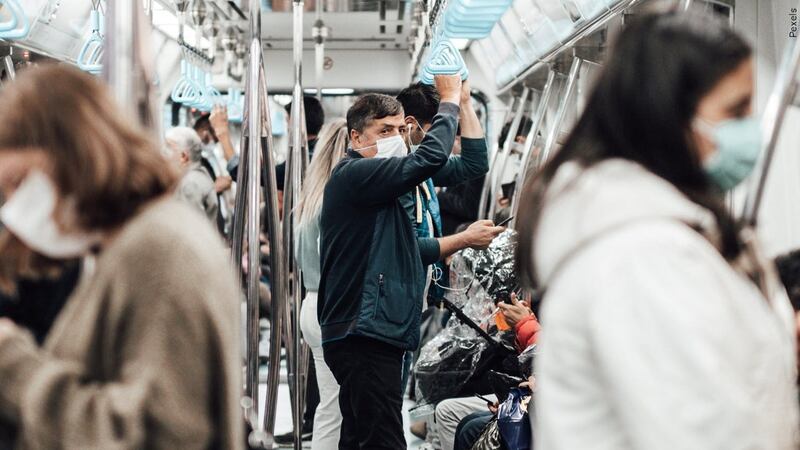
(28, 214)
(391, 147)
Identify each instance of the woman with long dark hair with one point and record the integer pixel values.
(664, 330)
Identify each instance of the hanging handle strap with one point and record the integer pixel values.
(18, 26)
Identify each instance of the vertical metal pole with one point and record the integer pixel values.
(512, 134)
(783, 93)
(555, 127)
(253, 231)
(486, 191)
(530, 141)
(257, 163)
(276, 247)
(297, 160)
(128, 66)
(320, 33)
(8, 64)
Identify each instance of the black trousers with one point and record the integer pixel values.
(370, 396)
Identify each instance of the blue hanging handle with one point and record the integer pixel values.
(91, 54)
(205, 102)
(12, 22)
(18, 26)
(444, 59)
(194, 92)
(182, 92)
(214, 95)
(235, 109)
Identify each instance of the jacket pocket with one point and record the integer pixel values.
(395, 301)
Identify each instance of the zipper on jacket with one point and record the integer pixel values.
(380, 285)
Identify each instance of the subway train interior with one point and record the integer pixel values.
(204, 241)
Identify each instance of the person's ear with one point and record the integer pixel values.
(355, 138)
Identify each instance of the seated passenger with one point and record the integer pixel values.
(664, 329)
(451, 413)
(145, 353)
(196, 186)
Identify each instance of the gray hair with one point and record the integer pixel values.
(186, 140)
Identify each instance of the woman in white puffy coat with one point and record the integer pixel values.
(663, 329)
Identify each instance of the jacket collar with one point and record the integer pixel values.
(354, 154)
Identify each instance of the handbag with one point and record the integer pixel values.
(513, 422)
(489, 438)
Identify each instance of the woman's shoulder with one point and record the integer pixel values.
(165, 230)
(168, 253)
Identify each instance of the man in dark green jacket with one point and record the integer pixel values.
(372, 267)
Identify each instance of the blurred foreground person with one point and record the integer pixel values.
(663, 329)
(145, 353)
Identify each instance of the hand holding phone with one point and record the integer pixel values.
(503, 223)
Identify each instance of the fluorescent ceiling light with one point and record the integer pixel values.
(460, 44)
(332, 91)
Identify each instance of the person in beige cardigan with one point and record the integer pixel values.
(145, 353)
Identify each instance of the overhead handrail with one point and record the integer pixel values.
(472, 19)
(585, 29)
(90, 58)
(18, 26)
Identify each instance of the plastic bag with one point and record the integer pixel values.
(492, 268)
(450, 360)
(513, 422)
(447, 362)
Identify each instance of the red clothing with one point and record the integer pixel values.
(527, 331)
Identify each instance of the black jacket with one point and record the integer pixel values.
(372, 276)
(459, 204)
